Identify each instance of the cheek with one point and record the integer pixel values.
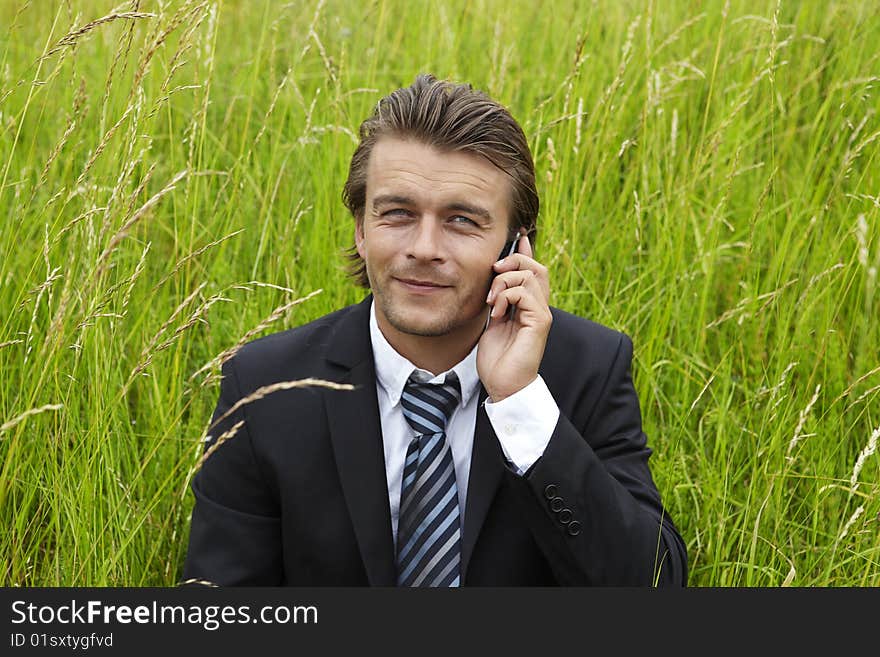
(479, 272)
(378, 251)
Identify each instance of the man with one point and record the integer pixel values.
(489, 439)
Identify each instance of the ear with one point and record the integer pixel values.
(359, 237)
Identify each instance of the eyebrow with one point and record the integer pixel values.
(391, 199)
(470, 209)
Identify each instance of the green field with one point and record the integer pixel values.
(170, 180)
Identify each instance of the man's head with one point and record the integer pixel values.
(451, 118)
(442, 178)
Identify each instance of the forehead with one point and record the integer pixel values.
(429, 174)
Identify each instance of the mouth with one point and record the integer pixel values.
(417, 285)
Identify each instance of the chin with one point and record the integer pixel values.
(427, 329)
(416, 321)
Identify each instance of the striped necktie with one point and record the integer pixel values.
(429, 528)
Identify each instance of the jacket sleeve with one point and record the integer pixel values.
(235, 530)
(590, 499)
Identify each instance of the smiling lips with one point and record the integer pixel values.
(415, 285)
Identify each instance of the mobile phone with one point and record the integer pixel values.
(508, 249)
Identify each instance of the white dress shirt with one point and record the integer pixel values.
(523, 422)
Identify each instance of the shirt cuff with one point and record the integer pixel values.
(524, 423)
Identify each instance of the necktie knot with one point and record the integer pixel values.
(427, 407)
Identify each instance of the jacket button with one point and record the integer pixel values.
(556, 504)
(564, 516)
(574, 528)
(550, 491)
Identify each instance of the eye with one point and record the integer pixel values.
(462, 220)
(396, 212)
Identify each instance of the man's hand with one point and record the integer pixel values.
(510, 350)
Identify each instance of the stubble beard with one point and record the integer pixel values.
(405, 323)
(402, 320)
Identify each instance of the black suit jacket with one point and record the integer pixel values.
(298, 495)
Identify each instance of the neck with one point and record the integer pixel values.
(435, 354)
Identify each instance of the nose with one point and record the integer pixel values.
(427, 240)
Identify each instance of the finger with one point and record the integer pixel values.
(526, 301)
(500, 305)
(525, 246)
(508, 280)
(520, 278)
(521, 262)
(512, 262)
(514, 296)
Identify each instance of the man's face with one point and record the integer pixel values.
(434, 223)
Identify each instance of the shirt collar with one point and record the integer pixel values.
(393, 370)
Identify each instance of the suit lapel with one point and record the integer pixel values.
(485, 475)
(356, 436)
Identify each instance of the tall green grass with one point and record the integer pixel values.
(170, 180)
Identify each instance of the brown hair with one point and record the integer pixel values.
(452, 117)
